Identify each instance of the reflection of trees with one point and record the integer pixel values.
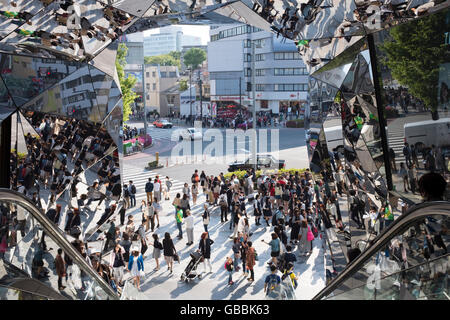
(415, 54)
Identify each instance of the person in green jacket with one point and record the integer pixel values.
(179, 218)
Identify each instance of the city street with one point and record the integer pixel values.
(291, 148)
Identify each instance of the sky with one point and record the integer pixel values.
(198, 31)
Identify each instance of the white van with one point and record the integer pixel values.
(425, 133)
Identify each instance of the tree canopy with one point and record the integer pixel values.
(169, 59)
(183, 85)
(415, 54)
(194, 57)
(126, 84)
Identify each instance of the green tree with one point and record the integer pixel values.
(175, 54)
(183, 85)
(194, 57)
(169, 59)
(126, 84)
(415, 54)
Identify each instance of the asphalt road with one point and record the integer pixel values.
(181, 158)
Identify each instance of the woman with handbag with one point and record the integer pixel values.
(257, 210)
(206, 217)
(205, 248)
(117, 263)
(169, 251)
(157, 247)
(303, 237)
(136, 267)
(309, 239)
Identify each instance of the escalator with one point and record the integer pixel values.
(409, 260)
(29, 245)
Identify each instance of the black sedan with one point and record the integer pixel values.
(264, 161)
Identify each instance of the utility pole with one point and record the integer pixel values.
(254, 105)
(240, 94)
(144, 98)
(190, 91)
(200, 82)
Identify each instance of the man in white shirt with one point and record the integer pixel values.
(189, 222)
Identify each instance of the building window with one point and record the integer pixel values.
(248, 72)
(260, 87)
(260, 72)
(147, 85)
(259, 57)
(291, 87)
(247, 43)
(147, 74)
(163, 74)
(247, 57)
(172, 74)
(249, 86)
(154, 86)
(287, 56)
(148, 97)
(154, 74)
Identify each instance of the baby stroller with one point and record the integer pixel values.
(190, 273)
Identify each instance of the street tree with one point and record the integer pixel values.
(415, 55)
(194, 57)
(183, 85)
(126, 83)
(169, 59)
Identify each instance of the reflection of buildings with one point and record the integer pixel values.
(281, 77)
(158, 79)
(169, 39)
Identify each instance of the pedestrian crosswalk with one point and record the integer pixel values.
(161, 134)
(396, 141)
(140, 177)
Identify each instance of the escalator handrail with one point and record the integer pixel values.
(387, 276)
(58, 236)
(414, 212)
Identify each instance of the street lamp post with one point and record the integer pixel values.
(200, 82)
(144, 98)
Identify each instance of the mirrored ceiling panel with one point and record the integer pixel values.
(6, 103)
(335, 71)
(317, 53)
(27, 77)
(102, 85)
(133, 7)
(79, 30)
(358, 80)
(104, 60)
(113, 123)
(74, 96)
(242, 13)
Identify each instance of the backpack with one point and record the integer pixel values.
(133, 189)
(272, 284)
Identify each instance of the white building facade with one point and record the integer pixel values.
(169, 39)
(280, 75)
